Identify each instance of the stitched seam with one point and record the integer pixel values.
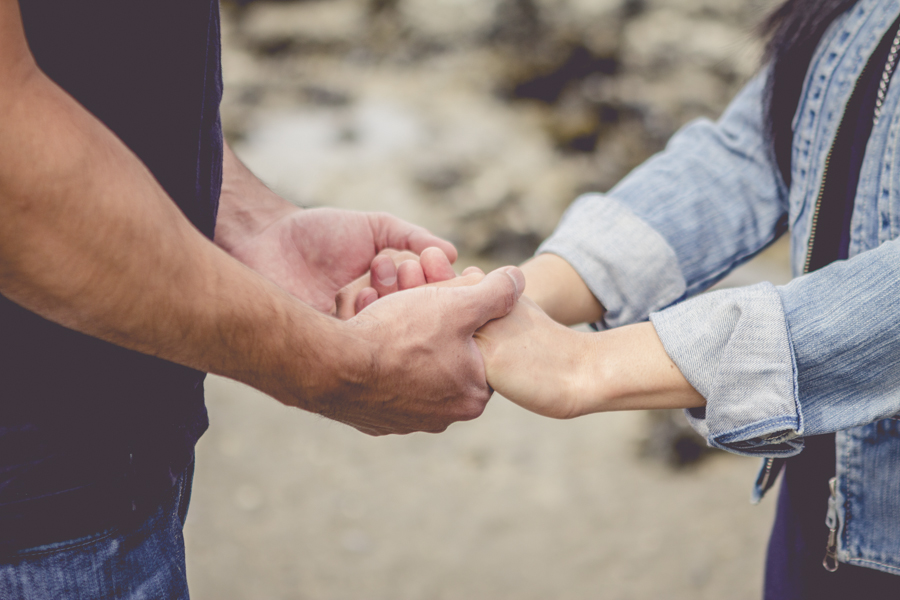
(64, 548)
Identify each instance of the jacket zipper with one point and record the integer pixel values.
(830, 562)
(767, 474)
(886, 76)
(818, 206)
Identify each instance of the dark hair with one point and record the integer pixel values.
(794, 30)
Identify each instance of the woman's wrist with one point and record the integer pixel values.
(587, 381)
(559, 290)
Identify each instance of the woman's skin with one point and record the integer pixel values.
(541, 364)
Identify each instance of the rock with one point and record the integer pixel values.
(448, 22)
(663, 39)
(336, 24)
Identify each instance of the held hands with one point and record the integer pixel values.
(528, 358)
(537, 363)
(406, 363)
(558, 372)
(424, 370)
(392, 271)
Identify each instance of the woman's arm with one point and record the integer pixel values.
(679, 222)
(557, 288)
(562, 373)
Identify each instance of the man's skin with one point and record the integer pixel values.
(89, 240)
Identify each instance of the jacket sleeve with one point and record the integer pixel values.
(818, 355)
(681, 221)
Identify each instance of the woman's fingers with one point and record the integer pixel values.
(435, 266)
(410, 274)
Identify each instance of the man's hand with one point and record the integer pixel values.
(312, 253)
(413, 364)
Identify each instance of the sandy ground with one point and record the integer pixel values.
(289, 506)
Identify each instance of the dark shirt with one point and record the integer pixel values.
(794, 569)
(88, 429)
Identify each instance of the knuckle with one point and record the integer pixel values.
(473, 409)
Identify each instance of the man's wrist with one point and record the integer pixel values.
(246, 205)
(314, 360)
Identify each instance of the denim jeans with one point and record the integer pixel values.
(144, 561)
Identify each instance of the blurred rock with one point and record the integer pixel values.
(451, 22)
(670, 440)
(328, 24)
(480, 119)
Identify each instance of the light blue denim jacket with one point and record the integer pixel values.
(775, 363)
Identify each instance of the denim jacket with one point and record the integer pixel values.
(775, 363)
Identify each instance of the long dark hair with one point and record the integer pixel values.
(794, 30)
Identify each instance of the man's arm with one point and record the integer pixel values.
(89, 240)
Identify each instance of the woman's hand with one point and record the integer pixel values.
(537, 363)
(393, 271)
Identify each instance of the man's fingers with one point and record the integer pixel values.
(366, 297)
(391, 232)
(494, 296)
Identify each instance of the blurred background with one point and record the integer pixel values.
(481, 120)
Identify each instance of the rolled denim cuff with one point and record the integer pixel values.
(625, 263)
(734, 347)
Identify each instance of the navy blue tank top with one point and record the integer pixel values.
(88, 429)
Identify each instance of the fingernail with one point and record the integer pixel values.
(386, 272)
(518, 278)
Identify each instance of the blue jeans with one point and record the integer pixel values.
(145, 561)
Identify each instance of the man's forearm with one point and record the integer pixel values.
(89, 239)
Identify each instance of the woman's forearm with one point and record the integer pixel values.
(629, 369)
(560, 292)
(562, 373)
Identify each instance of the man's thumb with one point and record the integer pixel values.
(494, 296)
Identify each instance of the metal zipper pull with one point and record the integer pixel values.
(830, 562)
